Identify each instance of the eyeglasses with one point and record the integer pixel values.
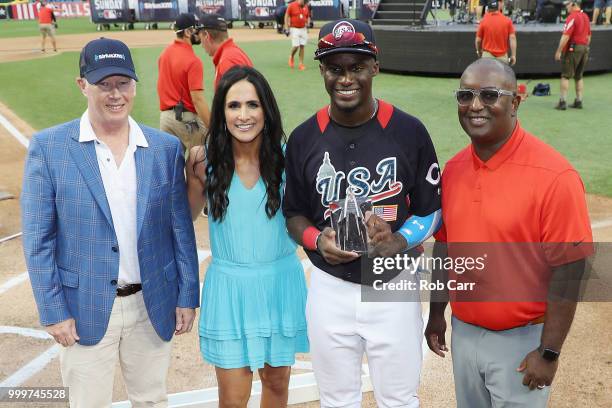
(123, 85)
(488, 96)
(354, 40)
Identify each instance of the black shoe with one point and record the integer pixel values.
(577, 104)
(562, 105)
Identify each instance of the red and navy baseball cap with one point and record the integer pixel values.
(352, 36)
(104, 57)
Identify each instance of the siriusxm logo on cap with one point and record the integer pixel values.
(104, 57)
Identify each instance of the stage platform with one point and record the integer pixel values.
(447, 49)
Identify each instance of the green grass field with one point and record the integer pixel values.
(43, 93)
(29, 28)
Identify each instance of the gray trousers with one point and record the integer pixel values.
(485, 363)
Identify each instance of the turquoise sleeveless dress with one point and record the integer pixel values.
(254, 296)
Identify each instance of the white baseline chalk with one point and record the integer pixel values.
(24, 331)
(602, 224)
(33, 367)
(14, 132)
(13, 282)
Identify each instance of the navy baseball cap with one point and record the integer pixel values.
(351, 36)
(213, 22)
(104, 57)
(185, 21)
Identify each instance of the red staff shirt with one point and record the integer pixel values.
(298, 15)
(494, 31)
(180, 72)
(578, 28)
(45, 14)
(227, 56)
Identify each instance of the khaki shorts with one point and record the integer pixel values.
(47, 30)
(502, 58)
(186, 130)
(299, 36)
(573, 63)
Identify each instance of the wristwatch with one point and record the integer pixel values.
(548, 354)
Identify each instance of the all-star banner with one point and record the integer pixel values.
(221, 7)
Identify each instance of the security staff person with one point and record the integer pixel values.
(184, 111)
(573, 52)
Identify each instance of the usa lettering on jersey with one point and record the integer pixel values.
(331, 183)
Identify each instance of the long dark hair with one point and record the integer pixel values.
(219, 154)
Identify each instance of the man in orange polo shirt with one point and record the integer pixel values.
(216, 42)
(510, 197)
(494, 33)
(180, 87)
(46, 24)
(297, 17)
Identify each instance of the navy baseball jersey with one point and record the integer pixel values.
(390, 159)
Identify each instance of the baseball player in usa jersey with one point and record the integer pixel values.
(387, 156)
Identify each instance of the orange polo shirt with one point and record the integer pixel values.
(180, 72)
(45, 14)
(228, 55)
(519, 204)
(298, 15)
(494, 31)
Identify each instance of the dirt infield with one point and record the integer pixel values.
(585, 372)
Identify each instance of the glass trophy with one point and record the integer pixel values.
(348, 219)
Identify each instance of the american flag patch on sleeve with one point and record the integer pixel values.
(386, 212)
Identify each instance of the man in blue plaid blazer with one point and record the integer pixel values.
(108, 238)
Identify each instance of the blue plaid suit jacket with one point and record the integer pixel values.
(68, 233)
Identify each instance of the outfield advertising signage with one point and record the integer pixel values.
(109, 11)
(261, 9)
(4, 14)
(325, 9)
(158, 10)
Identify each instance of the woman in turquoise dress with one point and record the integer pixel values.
(253, 300)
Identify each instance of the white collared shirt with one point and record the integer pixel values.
(121, 190)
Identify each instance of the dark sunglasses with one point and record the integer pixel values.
(488, 96)
(356, 40)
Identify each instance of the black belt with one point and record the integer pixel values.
(127, 290)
